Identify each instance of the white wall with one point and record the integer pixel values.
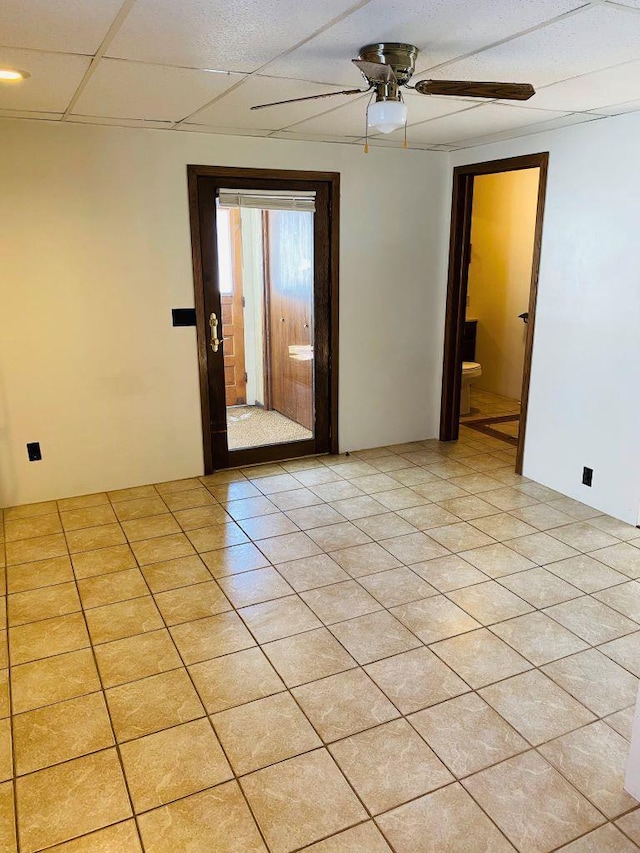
(95, 249)
(584, 406)
(502, 235)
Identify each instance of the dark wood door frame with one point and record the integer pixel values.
(459, 248)
(204, 182)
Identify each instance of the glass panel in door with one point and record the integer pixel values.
(266, 280)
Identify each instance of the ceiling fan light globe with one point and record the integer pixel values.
(387, 116)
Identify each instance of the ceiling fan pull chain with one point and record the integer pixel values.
(366, 126)
(404, 141)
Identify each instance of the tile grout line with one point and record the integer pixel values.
(206, 716)
(10, 687)
(103, 694)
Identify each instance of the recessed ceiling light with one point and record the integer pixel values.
(10, 75)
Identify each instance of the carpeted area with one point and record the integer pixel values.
(251, 426)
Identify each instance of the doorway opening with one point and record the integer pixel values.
(496, 233)
(265, 270)
(265, 251)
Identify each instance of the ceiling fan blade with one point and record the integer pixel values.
(376, 72)
(469, 89)
(311, 98)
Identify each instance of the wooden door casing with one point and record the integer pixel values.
(459, 254)
(204, 184)
(289, 312)
(232, 306)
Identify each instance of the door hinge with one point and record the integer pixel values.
(246, 377)
(244, 302)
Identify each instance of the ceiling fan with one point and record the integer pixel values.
(387, 68)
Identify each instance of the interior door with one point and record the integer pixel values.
(309, 339)
(289, 284)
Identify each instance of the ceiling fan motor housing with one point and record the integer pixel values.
(401, 57)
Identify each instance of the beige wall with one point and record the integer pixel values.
(502, 234)
(95, 250)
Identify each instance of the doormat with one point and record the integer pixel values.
(490, 426)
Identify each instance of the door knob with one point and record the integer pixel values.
(215, 341)
(524, 317)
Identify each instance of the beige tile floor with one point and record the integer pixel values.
(486, 404)
(410, 649)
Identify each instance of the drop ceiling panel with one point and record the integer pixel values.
(308, 137)
(234, 109)
(120, 122)
(412, 144)
(134, 90)
(350, 118)
(442, 29)
(221, 34)
(347, 120)
(73, 26)
(527, 130)
(485, 119)
(42, 116)
(193, 127)
(596, 38)
(619, 109)
(592, 91)
(54, 79)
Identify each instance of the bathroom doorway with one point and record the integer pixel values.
(496, 234)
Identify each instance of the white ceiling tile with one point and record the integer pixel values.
(488, 118)
(528, 130)
(587, 62)
(619, 109)
(134, 90)
(592, 91)
(120, 122)
(222, 34)
(315, 137)
(350, 118)
(595, 38)
(347, 120)
(425, 107)
(54, 79)
(442, 29)
(193, 127)
(43, 116)
(412, 145)
(234, 109)
(73, 26)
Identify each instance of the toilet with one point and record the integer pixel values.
(471, 371)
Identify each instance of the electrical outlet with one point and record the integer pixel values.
(33, 451)
(587, 476)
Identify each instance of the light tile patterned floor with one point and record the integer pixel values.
(486, 404)
(410, 649)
